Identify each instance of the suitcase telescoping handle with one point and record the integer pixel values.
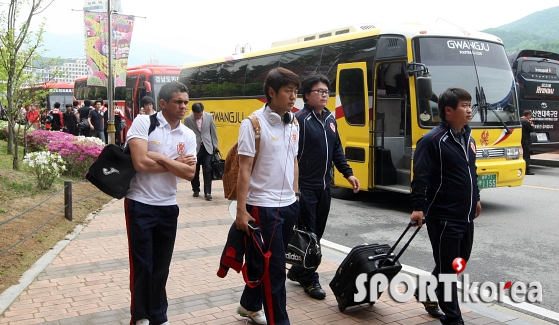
(413, 223)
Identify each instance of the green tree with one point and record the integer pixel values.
(18, 47)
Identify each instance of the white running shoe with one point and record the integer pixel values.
(144, 321)
(166, 323)
(256, 317)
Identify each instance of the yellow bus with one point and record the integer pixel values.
(384, 87)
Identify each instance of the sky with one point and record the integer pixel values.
(215, 28)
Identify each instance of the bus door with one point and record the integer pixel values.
(352, 117)
(392, 128)
(142, 91)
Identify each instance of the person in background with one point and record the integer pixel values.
(526, 141)
(151, 205)
(96, 121)
(119, 117)
(105, 111)
(57, 122)
(445, 193)
(83, 114)
(266, 192)
(147, 105)
(33, 117)
(319, 147)
(202, 124)
(70, 122)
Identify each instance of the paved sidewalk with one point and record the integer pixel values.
(87, 282)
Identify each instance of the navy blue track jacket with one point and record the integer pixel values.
(319, 145)
(444, 184)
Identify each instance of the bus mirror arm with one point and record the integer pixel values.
(414, 67)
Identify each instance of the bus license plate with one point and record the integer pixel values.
(487, 181)
(542, 136)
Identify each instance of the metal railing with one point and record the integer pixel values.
(68, 214)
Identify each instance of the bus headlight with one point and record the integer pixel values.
(513, 153)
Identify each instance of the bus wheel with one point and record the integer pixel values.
(341, 192)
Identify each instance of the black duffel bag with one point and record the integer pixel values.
(303, 249)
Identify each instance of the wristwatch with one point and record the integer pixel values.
(298, 194)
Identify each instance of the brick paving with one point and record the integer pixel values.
(87, 283)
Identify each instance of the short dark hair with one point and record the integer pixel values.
(277, 78)
(146, 100)
(75, 103)
(98, 101)
(68, 105)
(197, 108)
(57, 105)
(450, 97)
(87, 102)
(167, 90)
(310, 81)
(526, 112)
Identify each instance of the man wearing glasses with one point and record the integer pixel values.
(319, 146)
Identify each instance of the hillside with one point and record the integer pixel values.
(538, 31)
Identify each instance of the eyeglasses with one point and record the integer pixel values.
(321, 92)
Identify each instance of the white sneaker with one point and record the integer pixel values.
(166, 323)
(144, 321)
(257, 317)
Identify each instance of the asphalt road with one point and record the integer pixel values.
(516, 236)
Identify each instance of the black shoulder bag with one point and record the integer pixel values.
(113, 170)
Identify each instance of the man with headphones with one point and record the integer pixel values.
(267, 192)
(319, 147)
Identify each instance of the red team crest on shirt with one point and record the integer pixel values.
(333, 127)
(294, 136)
(473, 146)
(180, 148)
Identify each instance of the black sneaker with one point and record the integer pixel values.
(208, 197)
(315, 291)
(431, 307)
(196, 194)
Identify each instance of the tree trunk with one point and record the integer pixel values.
(10, 139)
(15, 163)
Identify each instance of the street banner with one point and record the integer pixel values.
(97, 46)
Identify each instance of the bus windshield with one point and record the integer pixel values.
(481, 68)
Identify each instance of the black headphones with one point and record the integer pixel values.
(274, 117)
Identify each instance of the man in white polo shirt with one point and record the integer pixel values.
(159, 157)
(268, 193)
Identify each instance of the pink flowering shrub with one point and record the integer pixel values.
(78, 152)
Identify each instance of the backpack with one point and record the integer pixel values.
(113, 170)
(231, 169)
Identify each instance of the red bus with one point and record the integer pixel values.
(141, 80)
(49, 93)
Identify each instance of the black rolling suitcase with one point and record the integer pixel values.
(370, 259)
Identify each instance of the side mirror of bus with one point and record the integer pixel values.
(424, 88)
(147, 85)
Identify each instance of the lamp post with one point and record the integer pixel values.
(110, 80)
